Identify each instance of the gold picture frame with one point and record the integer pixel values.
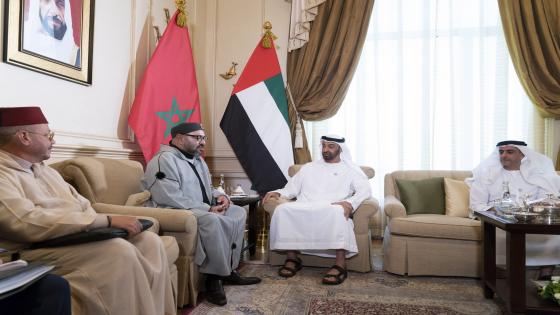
(53, 37)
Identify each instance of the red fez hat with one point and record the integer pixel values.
(21, 116)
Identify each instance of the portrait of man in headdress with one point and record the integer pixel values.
(49, 29)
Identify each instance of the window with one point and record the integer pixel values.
(434, 89)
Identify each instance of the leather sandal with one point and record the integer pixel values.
(288, 272)
(337, 278)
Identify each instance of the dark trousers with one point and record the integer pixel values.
(49, 295)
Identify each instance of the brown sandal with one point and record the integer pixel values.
(337, 278)
(288, 272)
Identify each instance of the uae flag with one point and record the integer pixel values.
(256, 122)
(168, 93)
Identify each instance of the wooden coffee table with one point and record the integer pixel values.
(517, 289)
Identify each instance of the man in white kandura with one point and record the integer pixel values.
(48, 31)
(319, 223)
(526, 173)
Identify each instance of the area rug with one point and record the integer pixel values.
(362, 293)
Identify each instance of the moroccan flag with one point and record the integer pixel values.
(256, 122)
(168, 94)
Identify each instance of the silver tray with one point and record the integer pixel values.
(525, 216)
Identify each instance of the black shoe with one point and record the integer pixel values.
(215, 291)
(237, 279)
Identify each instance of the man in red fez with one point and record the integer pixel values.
(108, 277)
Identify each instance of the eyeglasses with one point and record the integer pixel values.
(49, 135)
(197, 137)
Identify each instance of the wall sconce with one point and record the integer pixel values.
(167, 15)
(231, 71)
(158, 34)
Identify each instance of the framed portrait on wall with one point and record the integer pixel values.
(54, 37)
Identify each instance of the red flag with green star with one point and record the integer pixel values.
(168, 93)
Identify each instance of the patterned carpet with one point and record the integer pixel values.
(369, 293)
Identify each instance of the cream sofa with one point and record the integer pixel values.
(429, 244)
(362, 216)
(108, 183)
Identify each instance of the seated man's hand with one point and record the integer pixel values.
(347, 208)
(218, 209)
(130, 224)
(224, 201)
(271, 194)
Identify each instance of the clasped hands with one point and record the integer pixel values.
(222, 206)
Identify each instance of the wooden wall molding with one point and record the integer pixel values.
(229, 166)
(63, 152)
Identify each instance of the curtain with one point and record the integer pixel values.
(303, 13)
(319, 73)
(434, 89)
(532, 32)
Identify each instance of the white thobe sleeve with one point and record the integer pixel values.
(479, 197)
(362, 191)
(293, 187)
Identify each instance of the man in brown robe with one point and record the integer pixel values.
(114, 276)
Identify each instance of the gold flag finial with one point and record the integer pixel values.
(182, 16)
(268, 36)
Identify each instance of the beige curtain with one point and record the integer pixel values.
(532, 31)
(319, 73)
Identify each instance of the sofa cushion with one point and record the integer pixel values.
(456, 198)
(422, 196)
(437, 226)
(138, 199)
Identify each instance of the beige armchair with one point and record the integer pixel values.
(362, 261)
(429, 244)
(108, 183)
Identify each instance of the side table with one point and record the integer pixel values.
(253, 202)
(517, 289)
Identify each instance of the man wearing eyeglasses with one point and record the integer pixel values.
(114, 276)
(177, 177)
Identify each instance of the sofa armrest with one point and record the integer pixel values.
(393, 207)
(170, 220)
(363, 214)
(272, 203)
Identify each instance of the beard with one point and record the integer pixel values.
(329, 156)
(54, 26)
